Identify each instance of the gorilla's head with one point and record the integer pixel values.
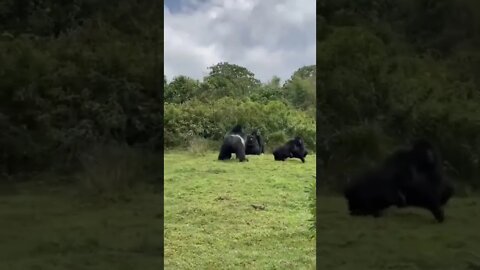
(299, 147)
(252, 141)
(299, 142)
(237, 129)
(424, 155)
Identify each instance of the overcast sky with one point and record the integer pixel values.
(268, 37)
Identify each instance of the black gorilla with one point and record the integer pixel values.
(294, 148)
(255, 144)
(408, 177)
(422, 181)
(372, 192)
(261, 141)
(234, 142)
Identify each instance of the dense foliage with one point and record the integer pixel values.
(86, 73)
(74, 74)
(390, 71)
(231, 95)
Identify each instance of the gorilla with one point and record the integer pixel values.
(255, 144)
(407, 178)
(422, 181)
(371, 193)
(294, 148)
(234, 142)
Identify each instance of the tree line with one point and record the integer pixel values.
(230, 95)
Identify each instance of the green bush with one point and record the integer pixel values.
(276, 121)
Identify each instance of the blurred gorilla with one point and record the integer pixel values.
(423, 183)
(255, 144)
(234, 142)
(372, 192)
(294, 148)
(408, 177)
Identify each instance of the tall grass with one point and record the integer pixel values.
(109, 169)
(312, 205)
(200, 146)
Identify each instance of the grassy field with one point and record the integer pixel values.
(403, 239)
(232, 215)
(54, 227)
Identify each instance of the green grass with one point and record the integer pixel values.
(54, 227)
(210, 222)
(402, 239)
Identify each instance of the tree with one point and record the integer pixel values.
(181, 89)
(304, 72)
(226, 79)
(300, 89)
(268, 92)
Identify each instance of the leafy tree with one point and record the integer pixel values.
(268, 92)
(304, 72)
(181, 89)
(226, 79)
(301, 93)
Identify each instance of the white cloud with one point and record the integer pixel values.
(268, 37)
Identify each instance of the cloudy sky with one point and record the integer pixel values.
(268, 37)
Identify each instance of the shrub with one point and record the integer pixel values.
(276, 120)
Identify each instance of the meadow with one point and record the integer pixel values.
(403, 239)
(232, 215)
(54, 226)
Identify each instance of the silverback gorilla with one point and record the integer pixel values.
(408, 177)
(255, 144)
(294, 148)
(234, 142)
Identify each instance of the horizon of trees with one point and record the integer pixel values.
(231, 94)
(273, 78)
